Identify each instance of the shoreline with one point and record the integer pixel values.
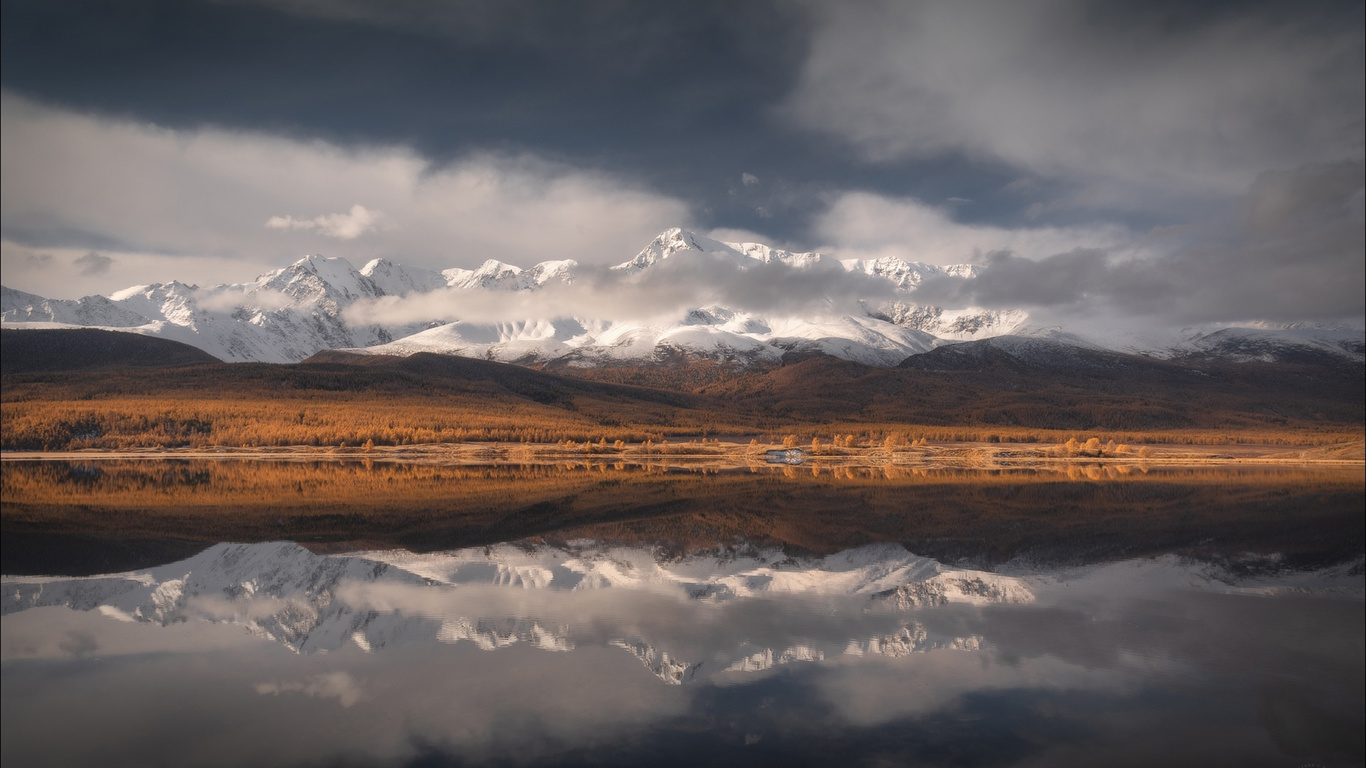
(736, 455)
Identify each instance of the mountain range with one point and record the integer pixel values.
(540, 315)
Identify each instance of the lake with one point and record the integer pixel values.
(594, 613)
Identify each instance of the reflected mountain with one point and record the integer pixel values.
(741, 609)
(551, 598)
(593, 653)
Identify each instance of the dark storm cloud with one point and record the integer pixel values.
(673, 93)
(679, 95)
(1298, 254)
(1141, 106)
(781, 118)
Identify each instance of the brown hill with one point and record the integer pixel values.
(83, 349)
(338, 397)
(1096, 390)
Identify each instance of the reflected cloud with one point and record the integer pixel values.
(527, 652)
(747, 609)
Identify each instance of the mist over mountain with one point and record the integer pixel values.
(683, 295)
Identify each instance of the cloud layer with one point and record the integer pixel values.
(1177, 160)
(76, 182)
(665, 291)
(1144, 105)
(869, 226)
(342, 226)
(1298, 253)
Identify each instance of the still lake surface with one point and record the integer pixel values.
(371, 613)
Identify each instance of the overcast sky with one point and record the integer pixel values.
(1201, 159)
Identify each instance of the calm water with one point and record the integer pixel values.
(1233, 635)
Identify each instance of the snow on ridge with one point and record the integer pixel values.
(768, 254)
(21, 307)
(289, 314)
(671, 242)
(714, 333)
(398, 280)
(497, 275)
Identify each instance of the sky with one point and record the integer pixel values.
(1194, 160)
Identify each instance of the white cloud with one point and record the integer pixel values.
(228, 298)
(1139, 110)
(869, 226)
(749, 179)
(53, 273)
(73, 182)
(666, 291)
(343, 226)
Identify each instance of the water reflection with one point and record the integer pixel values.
(704, 613)
(1053, 512)
(665, 614)
(590, 652)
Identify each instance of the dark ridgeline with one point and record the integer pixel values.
(978, 391)
(85, 349)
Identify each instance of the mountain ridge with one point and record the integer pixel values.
(291, 313)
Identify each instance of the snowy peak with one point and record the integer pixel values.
(672, 242)
(952, 324)
(907, 275)
(964, 271)
(556, 271)
(329, 281)
(492, 274)
(398, 280)
(496, 275)
(175, 302)
(768, 255)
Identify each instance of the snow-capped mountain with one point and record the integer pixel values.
(292, 313)
(282, 316)
(1289, 344)
(91, 311)
(713, 332)
(1057, 350)
(398, 280)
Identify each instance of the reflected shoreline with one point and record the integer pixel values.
(738, 455)
(56, 512)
